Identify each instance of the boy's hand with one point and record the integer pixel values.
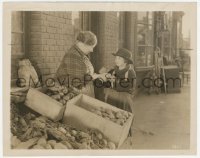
(103, 76)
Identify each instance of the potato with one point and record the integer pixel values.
(119, 115)
(67, 97)
(65, 91)
(48, 146)
(27, 144)
(38, 124)
(84, 135)
(111, 145)
(37, 134)
(56, 97)
(84, 145)
(60, 146)
(108, 111)
(72, 138)
(68, 134)
(61, 94)
(111, 116)
(71, 95)
(74, 132)
(104, 141)
(126, 114)
(42, 141)
(22, 122)
(67, 144)
(99, 136)
(52, 143)
(54, 88)
(28, 116)
(61, 129)
(15, 141)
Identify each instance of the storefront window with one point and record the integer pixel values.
(144, 55)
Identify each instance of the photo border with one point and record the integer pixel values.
(8, 7)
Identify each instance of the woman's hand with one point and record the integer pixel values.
(95, 76)
(100, 76)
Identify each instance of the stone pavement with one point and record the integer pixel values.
(161, 121)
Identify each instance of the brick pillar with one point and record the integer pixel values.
(51, 35)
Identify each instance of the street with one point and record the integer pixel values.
(161, 121)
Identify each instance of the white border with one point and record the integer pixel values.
(84, 6)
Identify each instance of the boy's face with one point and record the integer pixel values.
(119, 61)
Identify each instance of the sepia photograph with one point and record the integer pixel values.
(106, 79)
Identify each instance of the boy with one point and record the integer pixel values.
(121, 81)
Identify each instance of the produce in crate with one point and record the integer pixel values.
(119, 117)
(30, 131)
(61, 93)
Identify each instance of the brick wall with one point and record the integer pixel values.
(51, 35)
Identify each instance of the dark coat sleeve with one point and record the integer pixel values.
(132, 78)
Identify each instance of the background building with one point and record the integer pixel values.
(44, 37)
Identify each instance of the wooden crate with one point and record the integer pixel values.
(44, 105)
(77, 115)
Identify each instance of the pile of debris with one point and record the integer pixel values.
(33, 131)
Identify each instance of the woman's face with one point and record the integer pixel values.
(87, 49)
(119, 61)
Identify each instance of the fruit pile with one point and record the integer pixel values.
(31, 131)
(119, 117)
(61, 93)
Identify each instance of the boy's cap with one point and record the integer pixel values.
(124, 53)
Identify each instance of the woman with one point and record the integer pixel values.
(122, 80)
(76, 69)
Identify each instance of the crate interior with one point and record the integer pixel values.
(87, 103)
(81, 102)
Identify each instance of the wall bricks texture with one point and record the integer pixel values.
(51, 35)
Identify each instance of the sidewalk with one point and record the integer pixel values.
(161, 121)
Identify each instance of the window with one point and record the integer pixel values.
(144, 42)
(17, 28)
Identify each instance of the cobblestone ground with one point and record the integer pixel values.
(161, 121)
